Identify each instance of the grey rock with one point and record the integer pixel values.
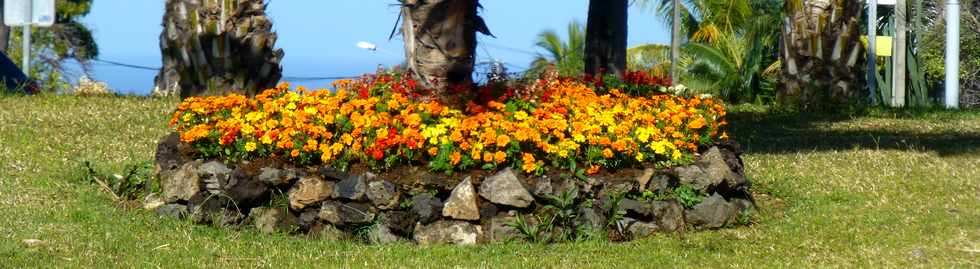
(428, 208)
(383, 194)
(659, 183)
(400, 223)
(352, 188)
(644, 178)
(669, 215)
(152, 201)
(184, 185)
(278, 177)
(330, 212)
(462, 202)
(505, 189)
(448, 232)
(591, 217)
(309, 190)
(613, 188)
(380, 234)
(244, 189)
(307, 218)
(488, 210)
(216, 211)
(270, 220)
(543, 188)
(215, 176)
(356, 213)
(500, 229)
(711, 213)
(327, 232)
(695, 176)
(718, 170)
(172, 211)
(640, 229)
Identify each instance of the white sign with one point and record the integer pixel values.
(886, 2)
(40, 13)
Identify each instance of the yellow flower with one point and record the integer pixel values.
(639, 156)
(250, 146)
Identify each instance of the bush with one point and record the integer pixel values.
(382, 122)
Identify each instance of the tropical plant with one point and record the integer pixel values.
(605, 37)
(931, 44)
(440, 41)
(217, 47)
(566, 56)
(821, 57)
(654, 58)
(52, 47)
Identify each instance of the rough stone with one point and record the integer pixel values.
(505, 189)
(152, 201)
(326, 232)
(448, 232)
(168, 157)
(215, 176)
(462, 202)
(380, 234)
(270, 220)
(659, 183)
(383, 194)
(718, 170)
(356, 213)
(215, 211)
(669, 215)
(176, 211)
(500, 230)
(644, 178)
(184, 185)
(309, 190)
(488, 210)
(695, 176)
(640, 229)
(591, 217)
(400, 222)
(307, 218)
(428, 208)
(352, 188)
(543, 188)
(277, 177)
(711, 213)
(244, 189)
(330, 212)
(613, 188)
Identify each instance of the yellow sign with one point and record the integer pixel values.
(883, 45)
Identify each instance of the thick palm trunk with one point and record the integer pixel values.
(605, 37)
(440, 42)
(822, 59)
(215, 47)
(4, 32)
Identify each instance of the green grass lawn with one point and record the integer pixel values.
(880, 189)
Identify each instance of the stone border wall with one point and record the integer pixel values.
(275, 197)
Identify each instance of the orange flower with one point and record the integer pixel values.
(294, 153)
(455, 157)
(593, 169)
(433, 151)
(607, 153)
(500, 157)
(487, 157)
(502, 140)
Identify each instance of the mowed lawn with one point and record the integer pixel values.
(880, 189)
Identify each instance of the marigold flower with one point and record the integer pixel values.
(455, 157)
(500, 157)
(487, 157)
(250, 146)
(503, 140)
(433, 151)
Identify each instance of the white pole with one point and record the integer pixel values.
(898, 70)
(952, 54)
(872, 35)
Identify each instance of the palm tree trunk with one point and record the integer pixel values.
(605, 37)
(204, 54)
(440, 42)
(821, 56)
(4, 32)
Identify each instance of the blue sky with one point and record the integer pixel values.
(319, 36)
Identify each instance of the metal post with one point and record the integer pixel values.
(952, 54)
(872, 35)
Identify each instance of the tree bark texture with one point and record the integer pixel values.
(605, 37)
(205, 55)
(440, 42)
(822, 58)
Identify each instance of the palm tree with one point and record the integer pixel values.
(440, 41)
(655, 58)
(821, 56)
(605, 37)
(212, 48)
(566, 56)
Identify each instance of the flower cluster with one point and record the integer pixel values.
(378, 121)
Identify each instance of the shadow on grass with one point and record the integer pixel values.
(764, 132)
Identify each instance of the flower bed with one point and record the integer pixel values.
(378, 121)
(551, 160)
